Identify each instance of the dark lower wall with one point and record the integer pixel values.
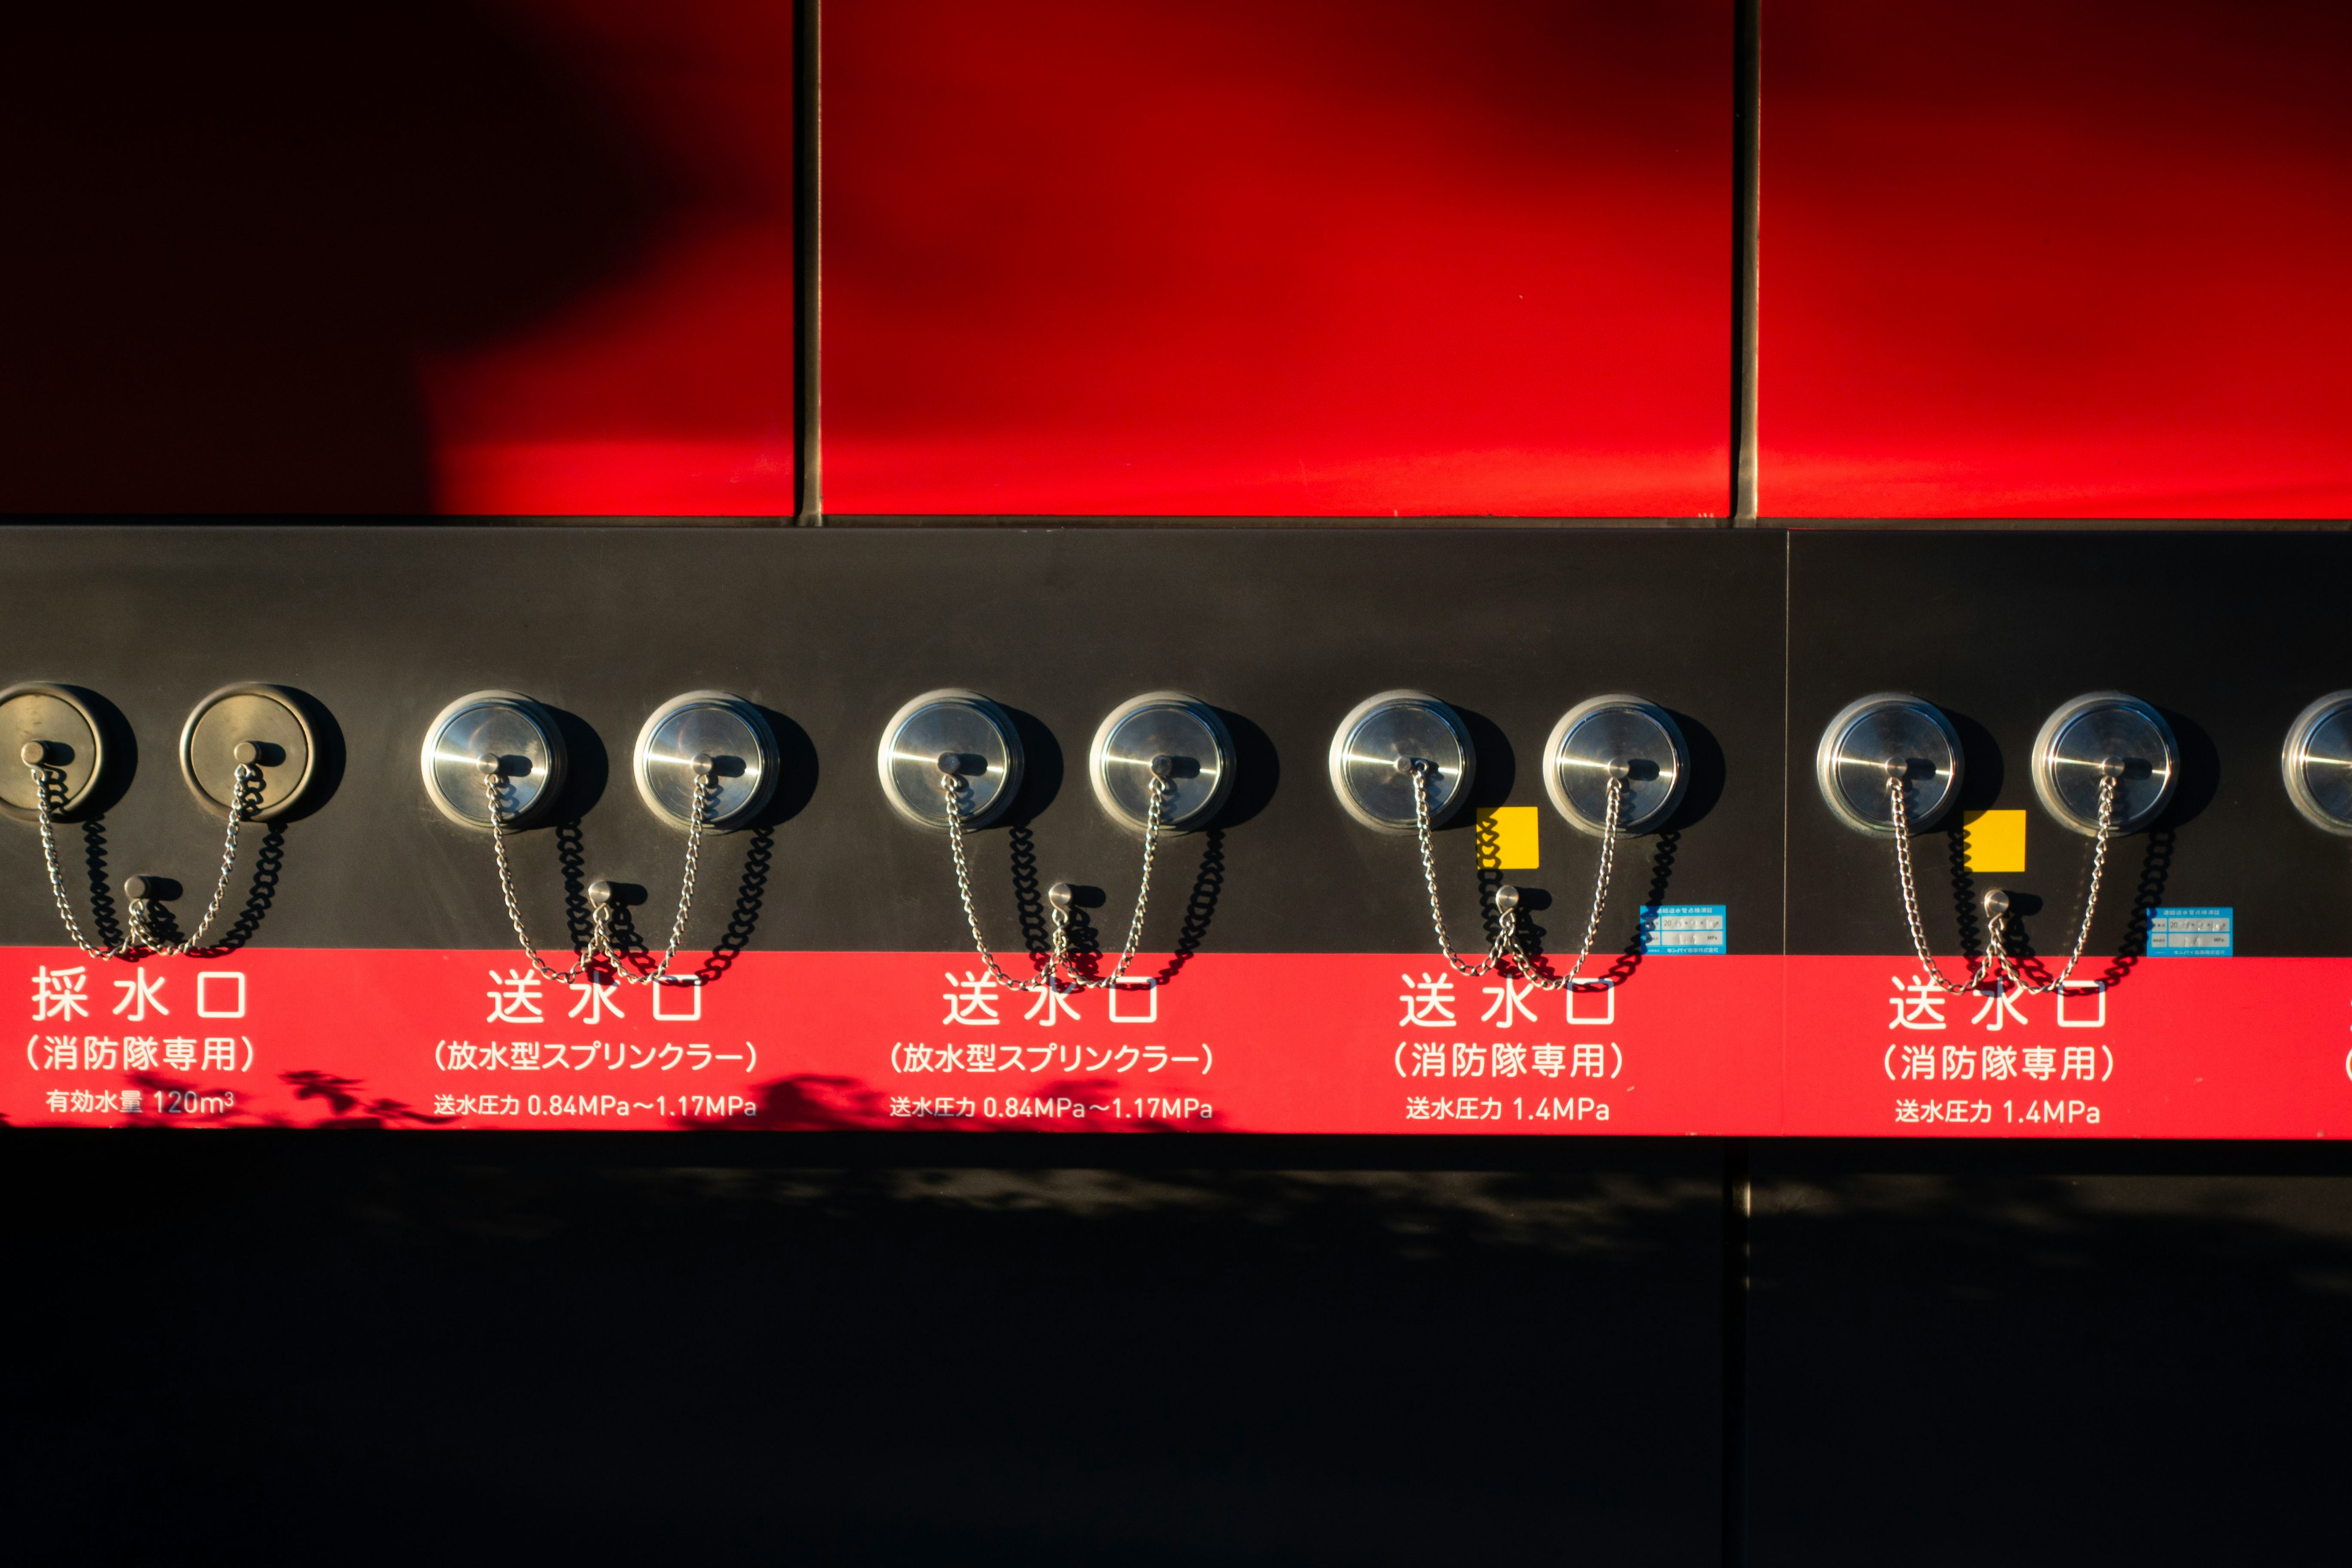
(1346, 1350)
(370, 1353)
(1967, 1354)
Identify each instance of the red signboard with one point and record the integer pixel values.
(1237, 1043)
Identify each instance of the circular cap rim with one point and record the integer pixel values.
(1825, 756)
(1336, 759)
(80, 701)
(296, 703)
(1201, 816)
(2298, 788)
(1016, 762)
(559, 758)
(771, 760)
(1609, 702)
(2045, 789)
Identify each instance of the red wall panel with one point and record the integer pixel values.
(666, 386)
(397, 255)
(2061, 259)
(1307, 258)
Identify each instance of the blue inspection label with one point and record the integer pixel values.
(2189, 932)
(1684, 928)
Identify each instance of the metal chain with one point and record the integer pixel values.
(952, 788)
(1999, 950)
(706, 787)
(239, 804)
(1507, 942)
(46, 779)
(1999, 964)
(601, 943)
(1898, 811)
(138, 932)
(1060, 974)
(494, 788)
(1160, 790)
(1420, 769)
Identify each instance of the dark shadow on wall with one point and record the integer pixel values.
(232, 228)
(2033, 1361)
(1142, 1367)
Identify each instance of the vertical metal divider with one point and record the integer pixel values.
(1739, 1209)
(1746, 167)
(808, 313)
(1739, 1174)
(1738, 1188)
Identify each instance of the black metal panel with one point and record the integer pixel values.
(1285, 630)
(2229, 636)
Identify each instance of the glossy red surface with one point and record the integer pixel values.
(667, 386)
(2056, 260)
(495, 255)
(1313, 258)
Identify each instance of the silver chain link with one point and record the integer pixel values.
(239, 805)
(1998, 949)
(1061, 973)
(138, 932)
(601, 942)
(1160, 790)
(951, 789)
(1898, 811)
(706, 786)
(44, 779)
(494, 789)
(1420, 770)
(1999, 965)
(1506, 941)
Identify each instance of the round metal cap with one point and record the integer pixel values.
(1386, 730)
(2316, 760)
(723, 727)
(282, 726)
(1601, 733)
(509, 726)
(1868, 736)
(2078, 742)
(67, 725)
(938, 725)
(1158, 724)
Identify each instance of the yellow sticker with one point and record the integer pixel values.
(1506, 838)
(1996, 840)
